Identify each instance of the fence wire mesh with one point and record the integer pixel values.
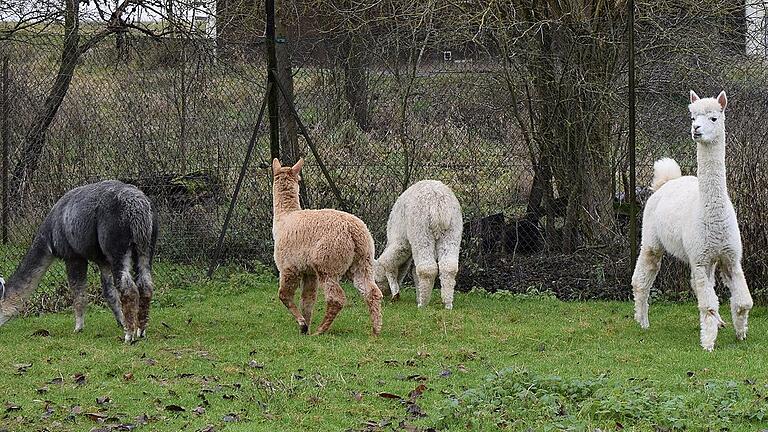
(521, 110)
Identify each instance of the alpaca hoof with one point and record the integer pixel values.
(128, 338)
(303, 328)
(396, 297)
(449, 306)
(141, 333)
(708, 347)
(741, 334)
(78, 329)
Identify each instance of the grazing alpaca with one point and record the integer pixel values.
(693, 219)
(424, 225)
(109, 223)
(319, 247)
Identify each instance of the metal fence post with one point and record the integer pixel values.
(274, 119)
(6, 145)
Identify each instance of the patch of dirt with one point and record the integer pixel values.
(584, 275)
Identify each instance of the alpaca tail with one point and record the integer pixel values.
(664, 170)
(440, 215)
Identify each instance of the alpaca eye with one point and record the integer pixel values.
(714, 119)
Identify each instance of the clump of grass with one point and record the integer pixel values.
(517, 398)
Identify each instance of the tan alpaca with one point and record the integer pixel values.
(319, 247)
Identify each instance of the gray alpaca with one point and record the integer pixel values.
(110, 223)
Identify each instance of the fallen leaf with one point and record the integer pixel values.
(422, 354)
(42, 390)
(41, 332)
(414, 410)
(417, 392)
(22, 367)
(416, 377)
(128, 376)
(357, 396)
(227, 396)
(150, 361)
(462, 368)
(76, 410)
(445, 373)
(166, 325)
(174, 408)
(142, 419)
(57, 380)
(185, 375)
(208, 428)
(49, 410)
(96, 416)
(386, 395)
(256, 365)
(749, 381)
(100, 429)
(199, 410)
(124, 427)
(11, 407)
(101, 400)
(690, 374)
(230, 418)
(391, 362)
(79, 378)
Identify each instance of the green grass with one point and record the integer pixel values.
(230, 346)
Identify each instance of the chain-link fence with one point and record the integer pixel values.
(524, 116)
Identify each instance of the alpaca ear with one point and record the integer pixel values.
(722, 99)
(297, 168)
(275, 166)
(694, 96)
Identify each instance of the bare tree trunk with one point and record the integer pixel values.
(355, 80)
(34, 142)
(289, 138)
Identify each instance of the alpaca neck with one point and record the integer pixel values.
(285, 199)
(27, 276)
(711, 174)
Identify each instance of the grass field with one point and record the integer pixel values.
(226, 355)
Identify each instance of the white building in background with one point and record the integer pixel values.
(757, 27)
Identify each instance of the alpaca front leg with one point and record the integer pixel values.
(372, 295)
(741, 299)
(703, 281)
(289, 281)
(77, 272)
(646, 269)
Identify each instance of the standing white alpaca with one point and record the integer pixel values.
(693, 219)
(424, 225)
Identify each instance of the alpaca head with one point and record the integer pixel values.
(286, 179)
(708, 118)
(8, 307)
(380, 277)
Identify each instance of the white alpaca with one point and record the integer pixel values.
(693, 219)
(425, 224)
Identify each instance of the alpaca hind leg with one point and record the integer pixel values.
(308, 298)
(372, 296)
(334, 301)
(146, 289)
(129, 295)
(426, 271)
(703, 281)
(646, 269)
(77, 273)
(110, 294)
(448, 265)
(741, 299)
(289, 281)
